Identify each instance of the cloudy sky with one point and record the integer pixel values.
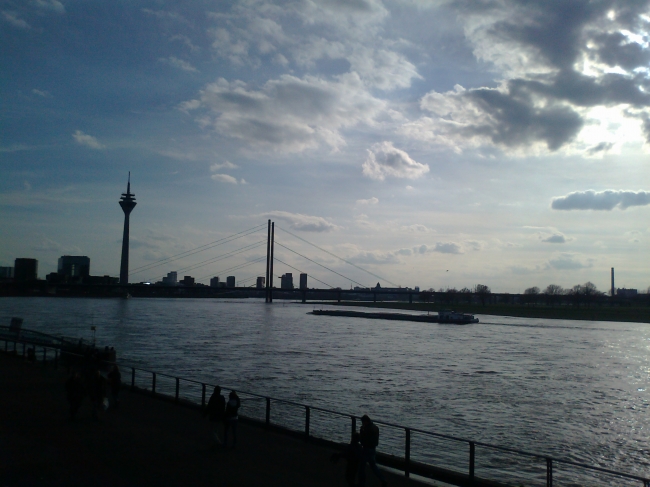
(432, 143)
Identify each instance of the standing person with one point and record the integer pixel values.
(369, 436)
(97, 392)
(215, 410)
(75, 392)
(230, 419)
(115, 381)
(352, 453)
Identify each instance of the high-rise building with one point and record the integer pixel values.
(214, 282)
(286, 281)
(303, 281)
(74, 266)
(127, 202)
(187, 281)
(230, 281)
(6, 272)
(171, 279)
(260, 282)
(25, 270)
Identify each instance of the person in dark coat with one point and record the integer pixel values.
(215, 411)
(96, 392)
(231, 416)
(352, 454)
(75, 392)
(115, 382)
(369, 437)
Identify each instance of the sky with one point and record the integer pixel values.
(430, 143)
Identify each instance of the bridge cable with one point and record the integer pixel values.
(222, 256)
(201, 248)
(340, 258)
(325, 267)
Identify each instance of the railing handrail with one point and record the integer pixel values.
(551, 458)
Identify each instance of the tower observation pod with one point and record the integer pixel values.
(127, 202)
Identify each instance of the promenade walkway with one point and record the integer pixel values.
(146, 442)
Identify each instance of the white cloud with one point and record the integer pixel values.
(288, 114)
(87, 140)
(222, 165)
(179, 63)
(12, 18)
(44, 94)
(447, 248)
(416, 228)
(224, 178)
(369, 201)
(306, 223)
(601, 200)
(385, 160)
(568, 261)
(53, 5)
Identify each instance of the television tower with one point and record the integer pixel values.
(127, 202)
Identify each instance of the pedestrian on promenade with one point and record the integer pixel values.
(115, 381)
(352, 454)
(75, 392)
(369, 437)
(230, 419)
(215, 411)
(97, 393)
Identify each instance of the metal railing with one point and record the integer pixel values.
(405, 463)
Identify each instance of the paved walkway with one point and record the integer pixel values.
(146, 442)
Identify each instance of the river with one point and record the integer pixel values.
(572, 389)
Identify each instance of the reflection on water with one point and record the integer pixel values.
(572, 389)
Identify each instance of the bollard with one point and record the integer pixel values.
(472, 456)
(407, 453)
(354, 425)
(549, 472)
(268, 412)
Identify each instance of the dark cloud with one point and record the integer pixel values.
(515, 121)
(602, 147)
(557, 57)
(603, 200)
(555, 239)
(447, 248)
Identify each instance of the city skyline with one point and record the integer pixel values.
(437, 144)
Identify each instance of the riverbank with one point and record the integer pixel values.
(595, 313)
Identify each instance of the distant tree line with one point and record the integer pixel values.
(585, 294)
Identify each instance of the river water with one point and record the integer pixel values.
(576, 390)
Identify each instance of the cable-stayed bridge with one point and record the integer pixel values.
(255, 261)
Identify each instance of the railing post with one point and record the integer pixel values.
(549, 472)
(354, 426)
(268, 412)
(407, 453)
(178, 386)
(202, 395)
(153, 382)
(307, 414)
(132, 378)
(472, 458)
